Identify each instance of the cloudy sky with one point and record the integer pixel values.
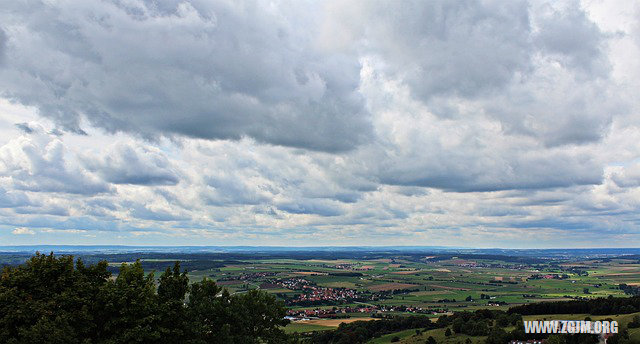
(459, 123)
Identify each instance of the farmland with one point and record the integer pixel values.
(323, 289)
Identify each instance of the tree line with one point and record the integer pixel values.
(52, 299)
(595, 306)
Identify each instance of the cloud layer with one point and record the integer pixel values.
(320, 123)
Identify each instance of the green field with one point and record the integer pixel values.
(436, 285)
(320, 294)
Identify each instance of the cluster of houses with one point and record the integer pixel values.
(343, 312)
(293, 283)
(315, 293)
(247, 276)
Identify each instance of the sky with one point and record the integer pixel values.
(509, 124)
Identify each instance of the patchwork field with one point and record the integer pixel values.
(320, 292)
(349, 288)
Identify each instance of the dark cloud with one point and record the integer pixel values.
(13, 199)
(203, 70)
(540, 174)
(144, 213)
(24, 127)
(226, 190)
(573, 38)
(56, 210)
(443, 47)
(123, 163)
(3, 44)
(317, 207)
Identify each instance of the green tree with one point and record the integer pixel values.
(635, 323)
(620, 338)
(497, 336)
(50, 300)
(173, 286)
(54, 300)
(447, 333)
(458, 325)
(502, 320)
(129, 307)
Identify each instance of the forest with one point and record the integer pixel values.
(53, 299)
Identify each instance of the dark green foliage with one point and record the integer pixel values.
(362, 331)
(431, 340)
(630, 290)
(251, 317)
(635, 323)
(172, 315)
(473, 324)
(128, 307)
(497, 336)
(503, 320)
(447, 333)
(596, 306)
(620, 338)
(52, 300)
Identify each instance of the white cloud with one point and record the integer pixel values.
(37, 161)
(22, 231)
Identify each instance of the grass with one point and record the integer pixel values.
(302, 327)
(410, 337)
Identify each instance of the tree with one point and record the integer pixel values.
(431, 340)
(620, 338)
(635, 323)
(457, 325)
(447, 333)
(173, 286)
(502, 320)
(50, 300)
(251, 317)
(129, 307)
(497, 336)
